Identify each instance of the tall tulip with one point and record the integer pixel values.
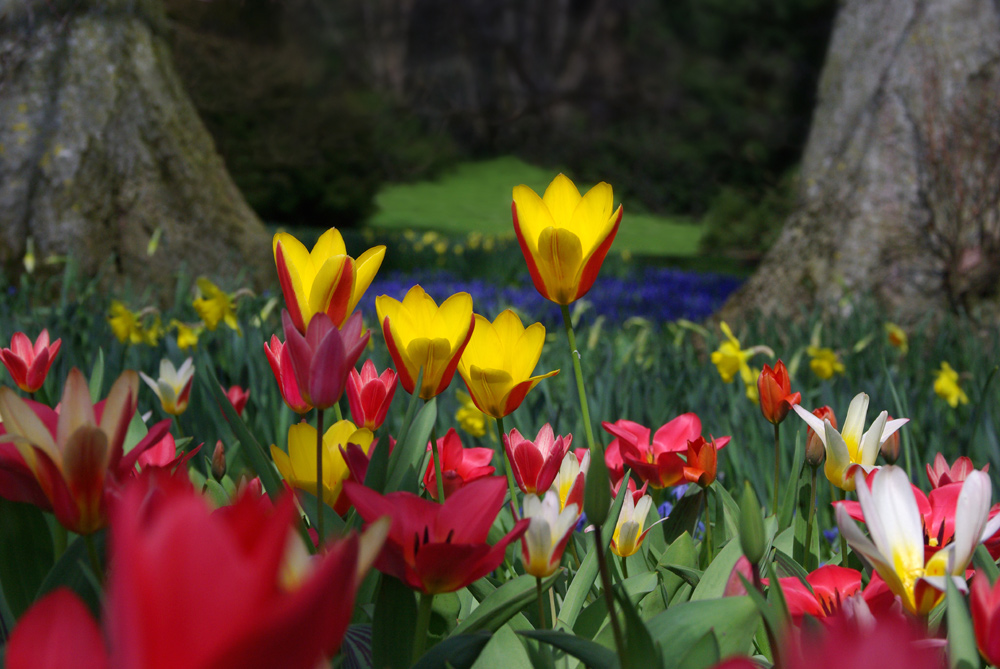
(499, 360)
(324, 280)
(323, 358)
(422, 336)
(565, 237)
(29, 363)
(775, 392)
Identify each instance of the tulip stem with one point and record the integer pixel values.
(510, 470)
(337, 412)
(708, 524)
(60, 538)
(541, 604)
(95, 561)
(423, 621)
(602, 564)
(625, 567)
(438, 475)
(811, 518)
(777, 467)
(320, 488)
(578, 371)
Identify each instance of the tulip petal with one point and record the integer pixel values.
(812, 421)
(470, 511)
(675, 435)
(366, 267)
(57, 632)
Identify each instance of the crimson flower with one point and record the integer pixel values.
(256, 601)
(828, 588)
(280, 358)
(369, 395)
(238, 398)
(459, 465)
(29, 363)
(984, 601)
(774, 389)
(433, 547)
(941, 474)
(322, 359)
(630, 486)
(536, 463)
(69, 462)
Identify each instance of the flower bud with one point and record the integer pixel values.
(752, 539)
(219, 461)
(815, 450)
(890, 447)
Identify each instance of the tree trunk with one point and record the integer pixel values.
(101, 150)
(899, 182)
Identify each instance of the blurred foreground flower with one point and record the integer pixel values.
(564, 237)
(459, 465)
(497, 364)
(824, 362)
(215, 306)
(549, 530)
(173, 387)
(985, 605)
(70, 462)
(536, 463)
(422, 336)
(370, 394)
(298, 466)
(823, 593)
(324, 280)
(896, 547)
(947, 388)
(323, 359)
(252, 604)
(29, 363)
(434, 547)
(849, 449)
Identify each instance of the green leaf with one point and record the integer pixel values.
(25, 553)
(216, 493)
(504, 650)
(790, 566)
(595, 615)
(136, 431)
(962, 650)
(730, 509)
(333, 524)
(733, 620)
(704, 653)
(392, 628)
(792, 487)
(683, 518)
(72, 570)
(592, 654)
(640, 649)
(713, 581)
(502, 604)
(457, 652)
(985, 563)
(406, 456)
(97, 377)
(680, 553)
(691, 576)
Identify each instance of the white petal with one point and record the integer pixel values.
(900, 535)
(871, 442)
(628, 510)
(892, 426)
(151, 383)
(836, 450)
(642, 509)
(971, 515)
(532, 506)
(854, 424)
(859, 542)
(813, 421)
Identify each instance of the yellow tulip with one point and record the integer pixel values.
(565, 237)
(498, 362)
(422, 336)
(325, 279)
(298, 466)
(947, 388)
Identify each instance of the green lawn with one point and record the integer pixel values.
(477, 196)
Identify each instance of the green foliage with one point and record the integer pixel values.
(746, 221)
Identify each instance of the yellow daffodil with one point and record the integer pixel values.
(173, 387)
(298, 466)
(731, 359)
(325, 279)
(187, 336)
(565, 237)
(498, 362)
(422, 336)
(125, 323)
(824, 362)
(214, 306)
(947, 388)
(749, 378)
(469, 417)
(849, 449)
(153, 333)
(897, 337)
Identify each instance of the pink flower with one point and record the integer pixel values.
(459, 465)
(535, 464)
(280, 358)
(238, 398)
(29, 363)
(369, 395)
(322, 359)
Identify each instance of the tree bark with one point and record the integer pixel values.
(898, 191)
(101, 149)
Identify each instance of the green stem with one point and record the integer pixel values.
(811, 518)
(777, 468)
(438, 475)
(510, 470)
(423, 621)
(95, 560)
(337, 412)
(609, 596)
(320, 488)
(411, 408)
(60, 538)
(625, 567)
(541, 604)
(578, 371)
(708, 525)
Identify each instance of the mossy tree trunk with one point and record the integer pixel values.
(100, 150)
(899, 182)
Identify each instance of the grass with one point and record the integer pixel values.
(476, 196)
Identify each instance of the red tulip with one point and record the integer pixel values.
(160, 454)
(369, 395)
(254, 599)
(536, 463)
(828, 588)
(775, 391)
(984, 601)
(941, 474)
(571, 479)
(280, 358)
(70, 461)
(29, 363)
(459, 465)
(630, 486)
(238, 398)
(435, 547)
(702, 460)
(322, 359)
